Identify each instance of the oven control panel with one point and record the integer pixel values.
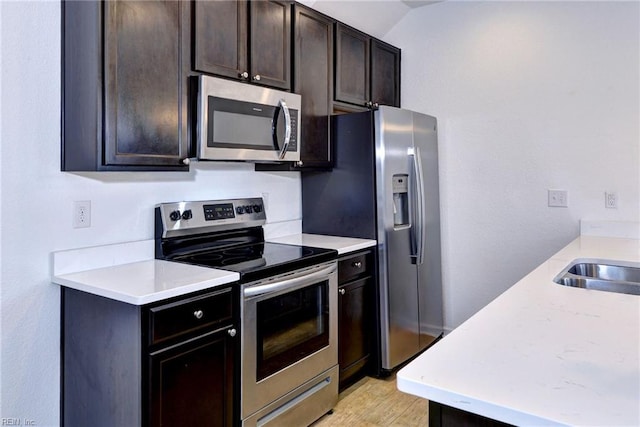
(183, 218)
(219, 211)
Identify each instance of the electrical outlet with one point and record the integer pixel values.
(610, 200)
(558, 198)
(82, 214)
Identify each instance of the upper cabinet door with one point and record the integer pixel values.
(220, 37)
(313, 79)
(248, 41)
(352, 66)
(145, 93)
(270, 43)
(385, 74)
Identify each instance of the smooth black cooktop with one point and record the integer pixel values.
(259, 260)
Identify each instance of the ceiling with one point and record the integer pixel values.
(375, 17)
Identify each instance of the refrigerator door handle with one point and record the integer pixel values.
(420, 208)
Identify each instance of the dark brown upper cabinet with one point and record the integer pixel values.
(124, 103)
(244, 40)
(313, 80)
(367, 70)
(385, 74)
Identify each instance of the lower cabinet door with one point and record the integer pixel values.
(354, 322)
(192, 384)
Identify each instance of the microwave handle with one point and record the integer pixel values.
(287, 129)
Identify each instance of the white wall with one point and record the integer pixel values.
(529, 96)
(36, 201)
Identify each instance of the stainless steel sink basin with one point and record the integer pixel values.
(606, 271)
(603, 275)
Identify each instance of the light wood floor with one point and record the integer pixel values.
(373, 402)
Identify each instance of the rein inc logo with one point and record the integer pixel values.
(17, 422)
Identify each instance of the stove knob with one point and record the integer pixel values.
(257, 208)
(248, 209)
(174, 216)
(240, 210)
(187, 214)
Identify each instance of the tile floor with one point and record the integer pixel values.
(374, 402)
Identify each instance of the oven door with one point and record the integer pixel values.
(289, 333)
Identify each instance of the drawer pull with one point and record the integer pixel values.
(342, 291)
(357, 264)
(198, 314)
(232, 332)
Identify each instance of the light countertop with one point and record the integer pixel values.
(342, 244)
(126, 272)
(542, 353)
(146, 281)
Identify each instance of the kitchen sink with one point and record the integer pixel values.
(603, 275)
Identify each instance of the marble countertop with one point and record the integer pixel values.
(343, 245)
(542, 353)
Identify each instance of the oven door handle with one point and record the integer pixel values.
(289, 284)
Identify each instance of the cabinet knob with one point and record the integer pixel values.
(186, 161)
(257, 77)
(198, 314)
(244, 75)
(357, 264)
(300, 163)
(341, 291)
(232, 332)
(375, 105)
(368, 104)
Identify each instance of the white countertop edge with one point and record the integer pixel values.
(81, 281)
(149, 298)
(343, 245)
(468, 404)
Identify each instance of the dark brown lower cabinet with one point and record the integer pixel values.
(446, 416)
(169, 363)
(191, 384)
(355, 316)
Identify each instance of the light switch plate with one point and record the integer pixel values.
(558, 198)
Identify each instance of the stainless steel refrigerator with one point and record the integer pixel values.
(384, 186)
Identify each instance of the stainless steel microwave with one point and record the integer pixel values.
(240, 121)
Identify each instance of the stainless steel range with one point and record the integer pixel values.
(289, 372)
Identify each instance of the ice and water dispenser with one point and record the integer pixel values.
(400, 186)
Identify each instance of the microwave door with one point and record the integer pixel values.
(239, 130)
(244, 122)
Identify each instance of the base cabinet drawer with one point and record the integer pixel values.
(195, 314)
(354, 266)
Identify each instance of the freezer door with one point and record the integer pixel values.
(425, 141)
(398, 277)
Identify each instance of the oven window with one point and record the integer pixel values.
(290, 327)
